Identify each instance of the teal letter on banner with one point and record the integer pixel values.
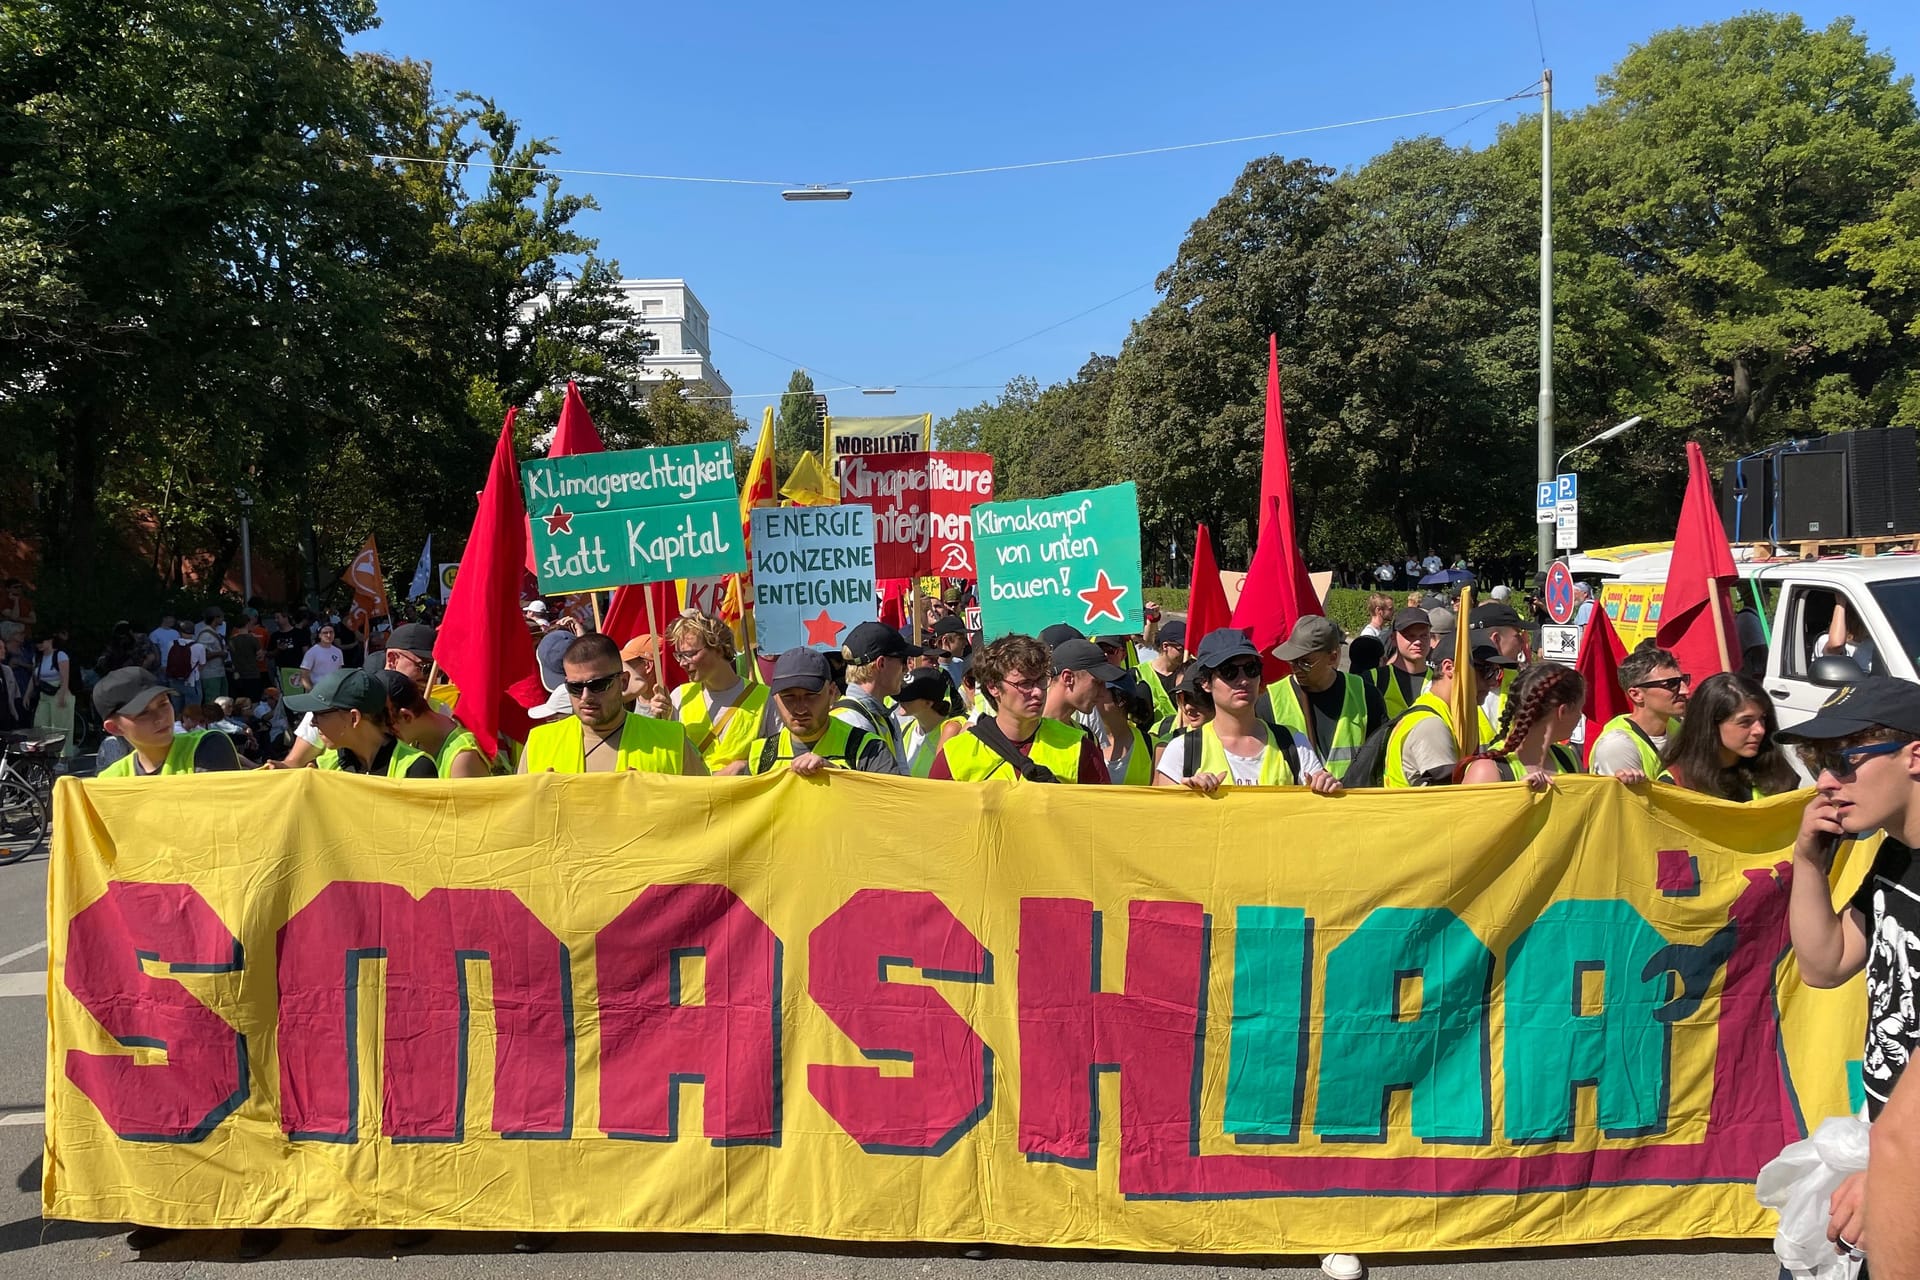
(1267, 1054)
(1578, 1013)
(1373, 1043)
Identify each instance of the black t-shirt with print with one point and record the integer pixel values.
(1889, 898)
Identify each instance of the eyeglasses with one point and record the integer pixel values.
(1247, 669)
(686, 656)
(1672, 684)
(1022, 687)
(1841, 762)
(599, 684)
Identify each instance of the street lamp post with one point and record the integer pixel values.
(246, 547)
(1618, 428)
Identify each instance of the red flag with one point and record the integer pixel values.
(484, 647)
(627, 618)
(1277, 593)
(1276, 474)
(1206, 599)
(1601, 653)
(1700, 581)
(369, 589)
(576, 432)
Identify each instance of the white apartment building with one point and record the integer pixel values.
(680, 341)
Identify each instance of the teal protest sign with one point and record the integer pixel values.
(641, 515)
(812, 575)
(1074, 558)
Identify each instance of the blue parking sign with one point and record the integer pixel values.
(1569, 488)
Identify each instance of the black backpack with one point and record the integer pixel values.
(1281, 738)
(1369, 765)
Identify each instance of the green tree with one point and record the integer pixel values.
(796, 428)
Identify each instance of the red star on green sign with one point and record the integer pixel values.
(1103, 599)
(558, 521)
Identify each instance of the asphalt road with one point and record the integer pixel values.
(31, 1246)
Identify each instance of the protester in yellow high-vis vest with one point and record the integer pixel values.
(812, 737)
(1162, 675)
(1401, 682)
(1236, 748)
(602, 736)
(1508, 634)
(724, 715)
(1632, 746)
(423, 726)
(1017, 741)
(1334, 711)
(1543, 709)
(135, 706)
(349, 708)
(931, 708)
(1129, 749)
(1423, 748)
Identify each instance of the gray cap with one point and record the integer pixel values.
(127, 692)
(1311, 634)
(801, 668)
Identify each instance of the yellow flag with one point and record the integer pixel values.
(758, 488)
(1461, 703)
(808, 486)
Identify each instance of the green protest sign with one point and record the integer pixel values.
(1074, 558)
(639, 515)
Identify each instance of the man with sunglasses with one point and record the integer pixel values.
(602, 736)
(1237, 748)
(1634, 743)
(1863, 748)
(1018, 741)
(1424, 747)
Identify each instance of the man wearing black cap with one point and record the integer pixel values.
(1236, 748)
(1059, 633)
(813, 737)
(876, 657)
(136, 706)
(1080, 673)
(1018, 741)
(931, 707)
(1335, 712)
(350, 709)
(1424, 746)
(1503, 628)
(1401, 682)
(602, 736)
(1863, 750)
(1169, 658)
(950, 638)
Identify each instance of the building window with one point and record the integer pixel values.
(649, 345)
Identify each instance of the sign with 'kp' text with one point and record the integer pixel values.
(639, 515)
(812, 575)
(1074, 558)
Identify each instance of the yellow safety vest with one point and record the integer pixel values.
(457, 741)
(1274, 770)
(837, 745)
(1649, 758)
(738, 727)
(403, 755)
(920, 765)
(179, 758)
(1139, 763)
(1163, 708)
(646, 746)
(1055, 745)
(1560, 760)
(1395, 772)
(1290, 712)
(1388, 684)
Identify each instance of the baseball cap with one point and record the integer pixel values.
(1432, 601)
(800, 668)
(350, 690)
(641, 646)
(1442, 621)
(1501, 592)
(1058, 634)
(1411, 618)
(1311, 634)
(925, 686)
(538, 608)
(1873, 702)
(871, 641)
(552, 673)
(1495, 613)
(127, 692)
(1084, 655)
(395, 684)
(417, 638)
(1221, 646)
(1484, 652)
(951, 625)
(1174, 632)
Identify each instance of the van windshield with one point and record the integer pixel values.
(1899, 599)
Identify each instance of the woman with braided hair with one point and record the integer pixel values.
(1543, 706)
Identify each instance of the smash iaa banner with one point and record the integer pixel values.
(1098, 1017)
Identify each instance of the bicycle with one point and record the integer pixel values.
(26, 792)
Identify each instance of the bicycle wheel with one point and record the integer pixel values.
(23, 821)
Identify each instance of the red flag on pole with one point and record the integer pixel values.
(1599, 659)
(1277, 593)
(1206, 599)
(575, 432)
(484, 647)
(1696, 613)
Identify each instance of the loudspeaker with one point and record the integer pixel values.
(1746, 499)
(1811, 495)
(1883, 481)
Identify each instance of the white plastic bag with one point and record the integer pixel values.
(1799, 1184)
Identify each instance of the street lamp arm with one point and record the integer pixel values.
(1612, 431)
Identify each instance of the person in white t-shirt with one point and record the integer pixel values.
(1846, 637)
(322, 660)
(164, 636)
(1237, 747)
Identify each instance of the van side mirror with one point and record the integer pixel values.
(1835, 670)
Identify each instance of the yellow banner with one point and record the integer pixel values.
(841, 437)
(1262, 1022)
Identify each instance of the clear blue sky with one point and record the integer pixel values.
(907, 279)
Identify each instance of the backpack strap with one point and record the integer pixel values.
(1284, 743)
(989, 732)
(1189, 753)
(769, 752)
(856, 738)
(1569, 763)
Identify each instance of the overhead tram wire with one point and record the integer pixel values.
(1008, 346)
(1538, 38)
(798, 364)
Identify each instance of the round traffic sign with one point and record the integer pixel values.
(1559, 592)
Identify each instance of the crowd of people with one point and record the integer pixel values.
(1157, 709)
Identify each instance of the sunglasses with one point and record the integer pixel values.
(1248, 669)
(1672, 684)
(1841, 762)
(598, 685)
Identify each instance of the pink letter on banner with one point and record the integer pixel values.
(651, 1041)
(204, 1078)
(849, 958)
(426, 944)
